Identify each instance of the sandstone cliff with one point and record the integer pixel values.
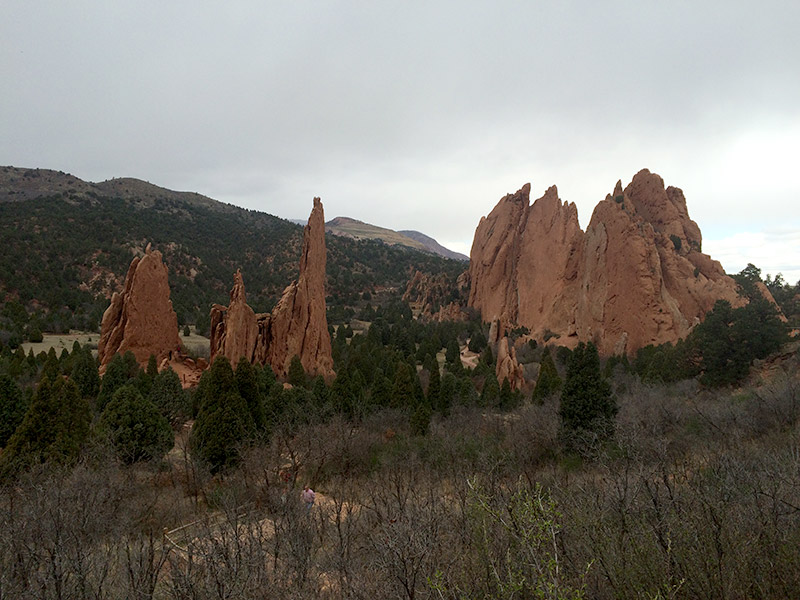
(636, 276)
(141, 318)
(297, 325)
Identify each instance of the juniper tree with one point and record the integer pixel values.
(587, 407)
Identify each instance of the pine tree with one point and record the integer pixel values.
(119, 371)
(52, 368)
(403, 386)
(224, 422)
(84, 373)
(434, 384)
(490, 393)
(507, 399)
(297, 374)
(54, 428)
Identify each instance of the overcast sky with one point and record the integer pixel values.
(421, 115)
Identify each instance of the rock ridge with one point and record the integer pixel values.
(635, 277)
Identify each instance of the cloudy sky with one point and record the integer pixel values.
(421, 115)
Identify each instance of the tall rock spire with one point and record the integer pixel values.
(297, 326)
(141, 318)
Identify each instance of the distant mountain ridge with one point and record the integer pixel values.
(432, 245)
(18, 184)
(358, 230)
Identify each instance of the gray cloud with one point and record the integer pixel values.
(413, 115)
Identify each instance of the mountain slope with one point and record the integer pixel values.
(68, 243)
(358, 230)
(432, 245)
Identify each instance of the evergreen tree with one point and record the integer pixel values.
(478, 342)
(453, 353)
(52, 368)
(152, 367)
(297, 374)
(587, 407)
(219, 437)
(119, 371)
(342, 393)
(490, 394)
(434, 384)
(12, 408)
(447, 394)
(381, 391)
(420, 419)
(135, 427)
(54, 427)
(507, 398)
(548, 381)
(84, 373)
(403, 387)
(224, 422)
(248, 388)
(168, 396)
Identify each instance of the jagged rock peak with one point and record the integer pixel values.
(141, 319)
(234, 328)
(298, 324)
(636, 276)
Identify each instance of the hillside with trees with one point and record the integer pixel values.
(68, 244)
(671, 474)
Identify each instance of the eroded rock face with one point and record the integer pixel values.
(637, 276)
(141, 318)
(431, 296)
(298, 324)
(507, 366)
(234, 328)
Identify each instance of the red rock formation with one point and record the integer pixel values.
(298, 324)
(141, 318)
(234, 329)
(429, 296)
(635, 277)
(507, 365)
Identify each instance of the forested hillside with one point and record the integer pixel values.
(67, 246)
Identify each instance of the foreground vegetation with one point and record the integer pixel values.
(697, 497)
(432, 479)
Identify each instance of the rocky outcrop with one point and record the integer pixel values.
(297, 326)
(234, 328)
(507, 366)
(636, 276)
(140, 319)
(436, 298)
